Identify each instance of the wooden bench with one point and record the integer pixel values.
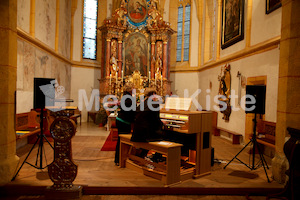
(266, 133)
(27, 124)
(235, 136)
(168, 174)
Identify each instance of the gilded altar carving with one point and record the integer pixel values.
(225, 91)
(142, 46)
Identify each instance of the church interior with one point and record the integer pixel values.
(65, 65)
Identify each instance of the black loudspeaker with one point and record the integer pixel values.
(43, 92)
(259, 93)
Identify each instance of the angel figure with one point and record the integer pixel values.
(120, 14)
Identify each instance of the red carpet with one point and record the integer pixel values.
(109, 145)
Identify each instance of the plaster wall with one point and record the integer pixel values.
(64, 35)
(23, 18)
(77, 34)
(194, 40)
(84, 79)
(45, 22)
(263, 26)
(33, 62)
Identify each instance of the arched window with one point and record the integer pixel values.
(90, 29)
(183, 32)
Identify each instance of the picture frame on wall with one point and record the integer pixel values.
(272, 5)
(232, 22)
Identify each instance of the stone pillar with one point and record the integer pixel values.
(288, 108)
(8, 69)
(165, 59)
(107, 64)
(120, 58)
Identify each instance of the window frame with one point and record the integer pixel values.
(184, 4)
(83, 29)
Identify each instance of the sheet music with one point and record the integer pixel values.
(177, 103)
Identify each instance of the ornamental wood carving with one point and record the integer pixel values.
(62, 171)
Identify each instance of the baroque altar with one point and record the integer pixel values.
(135, 49)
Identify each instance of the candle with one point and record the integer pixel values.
(122, 74)
(110, 79)
(149, 77)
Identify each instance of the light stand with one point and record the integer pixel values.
(41, 150)
(253, 141)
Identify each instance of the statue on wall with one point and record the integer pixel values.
(113, 59)
(225, 91)
(155, 18)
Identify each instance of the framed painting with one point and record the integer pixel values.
(136, 54)
(232, 22)
(137, 10)
(272, 5)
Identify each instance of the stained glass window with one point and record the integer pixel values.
(90, 29)
(187, 33)
(179, 33)
(183, 32)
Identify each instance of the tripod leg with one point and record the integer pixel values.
(38, 153)
(48, 141)
(237, 154)
(263, 161)
(25, 160)
(263, 158)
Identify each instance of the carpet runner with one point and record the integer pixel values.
(110, 144)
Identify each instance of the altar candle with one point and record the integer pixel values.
(122, 74)
(149, 76)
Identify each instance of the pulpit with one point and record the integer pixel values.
(135, 49)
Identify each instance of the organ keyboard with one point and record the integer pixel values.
(193, 122)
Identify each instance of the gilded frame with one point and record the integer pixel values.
(232, 22)
(272, 5)
(136, 48)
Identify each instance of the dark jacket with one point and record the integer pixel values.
(127, 116)
(147, 125)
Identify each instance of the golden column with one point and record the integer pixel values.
(8, 69)
(107, 64)
(288, 107)
(120, 43)
(165, 54)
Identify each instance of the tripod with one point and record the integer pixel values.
(253, 141)
(41, 150)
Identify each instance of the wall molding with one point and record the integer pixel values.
(248, 51)
(37, 43)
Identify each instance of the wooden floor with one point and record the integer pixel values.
(98, 174)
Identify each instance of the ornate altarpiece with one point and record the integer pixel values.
(135, 49)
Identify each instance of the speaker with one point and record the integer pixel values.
(43, 92)
(259, 93)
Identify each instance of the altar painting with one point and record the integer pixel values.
(136, 54)
(137, 10)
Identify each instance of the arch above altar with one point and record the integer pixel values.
(135, 49)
